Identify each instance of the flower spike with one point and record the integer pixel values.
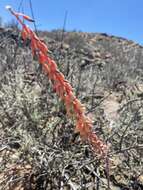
(62, 87)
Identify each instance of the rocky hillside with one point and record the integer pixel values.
(38, 146)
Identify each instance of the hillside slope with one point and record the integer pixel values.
(38, 146)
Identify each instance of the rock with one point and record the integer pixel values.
(140, 180)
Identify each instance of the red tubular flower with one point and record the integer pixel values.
(60, 77)
(53, 66)
(24, 17)
(62, 87)
(68, 104)
(42, 46)
(59, 90)
(78, 108)
(42, 57)
(68, 87)
(83, 128)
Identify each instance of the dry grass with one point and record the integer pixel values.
(38, 146)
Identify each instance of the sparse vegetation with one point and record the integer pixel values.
(38, 146)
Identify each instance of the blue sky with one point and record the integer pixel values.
(117, 17)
